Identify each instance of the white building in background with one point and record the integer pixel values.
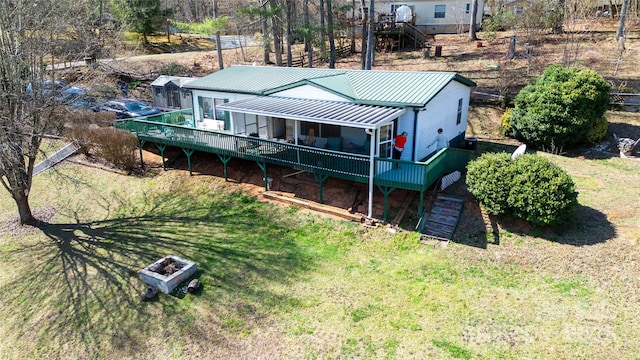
(435, 17)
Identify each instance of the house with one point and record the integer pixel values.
(516, 7)
(330, 122)
(435, 17)
(169, 94)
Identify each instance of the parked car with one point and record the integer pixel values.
(127, 108)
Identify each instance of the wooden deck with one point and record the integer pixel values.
(388, 174)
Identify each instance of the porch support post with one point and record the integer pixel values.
(140, 145)
(321, 179)
(188, 152)
(415, 131)
(162, 147)
(263, 167)
(386, 191)
(421, 204)
(225, 159)
(374, 141)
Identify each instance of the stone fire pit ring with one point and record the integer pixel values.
(166, 273)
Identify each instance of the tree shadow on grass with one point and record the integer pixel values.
(83, 278)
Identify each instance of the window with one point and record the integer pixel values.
(208, 108)
(459, 117)
(320, 130)
(467, 8)
(440, 11)
(386, 141)
(221, 114)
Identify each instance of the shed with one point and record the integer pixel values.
(169, 94)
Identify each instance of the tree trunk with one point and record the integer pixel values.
(323, 32)
(353, 26)
(332, 43)
(24, 210)
(289, 5)
(623, 17)
(472, 26)
(218, 42)
(370, 45)
(365, 36)
(266, 49)
(276, 24)
(308, 45)
(557, 26)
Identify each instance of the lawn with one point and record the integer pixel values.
(279, 282)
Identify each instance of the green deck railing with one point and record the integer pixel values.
(176, 129)
(178, 117)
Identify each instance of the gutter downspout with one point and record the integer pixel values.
(372, 145)
(415, 129)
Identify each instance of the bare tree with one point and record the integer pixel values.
(28, 36)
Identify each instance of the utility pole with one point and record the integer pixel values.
(218, 42)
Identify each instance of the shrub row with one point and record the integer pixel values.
(115, 146)
(529, 187)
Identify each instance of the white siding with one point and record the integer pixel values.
(405, 123)
(213, 94)
(442, 112)
(424, 10)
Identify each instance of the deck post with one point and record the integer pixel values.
(321, 179)
(162, 147)
(140, 145)
(421, 204)
(263, 167)
(225, 160)
(386, 191)
(188, 152)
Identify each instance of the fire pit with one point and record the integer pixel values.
(166, 273)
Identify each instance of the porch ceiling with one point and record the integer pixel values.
(326, 112)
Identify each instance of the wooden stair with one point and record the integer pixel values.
(440, 223)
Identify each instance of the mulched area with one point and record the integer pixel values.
(12, 225)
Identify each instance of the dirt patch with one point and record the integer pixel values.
(12, 225)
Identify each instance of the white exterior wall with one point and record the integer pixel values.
(213, 94)
(197, 114)
(442, 112)
(405, 123)
(424, 10)
(310, 92)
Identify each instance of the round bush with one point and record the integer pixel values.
(488, 179)
(541, 193)
(529, 187)
(561, 108)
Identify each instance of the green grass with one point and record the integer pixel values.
(279, 282)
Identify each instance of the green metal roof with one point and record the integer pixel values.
(375, 87)
(258, 80)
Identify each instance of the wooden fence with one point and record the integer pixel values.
(302, 60)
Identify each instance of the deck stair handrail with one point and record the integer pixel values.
(415, 34)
